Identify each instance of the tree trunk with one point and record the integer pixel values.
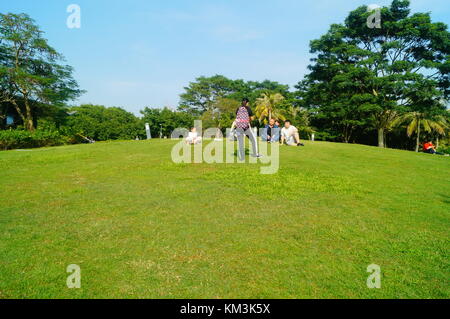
(19, 111)
(437, 142)
(381, 137)
(347, 132)
(418, 137)
(29, 125)
(346, 136)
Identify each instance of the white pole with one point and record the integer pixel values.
(147, 130)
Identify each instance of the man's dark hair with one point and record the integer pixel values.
(245, 100)
(286, 121)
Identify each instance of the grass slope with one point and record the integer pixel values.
(142, 226)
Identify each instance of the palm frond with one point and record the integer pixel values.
(412, 127)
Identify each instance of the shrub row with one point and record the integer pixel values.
(11, 139)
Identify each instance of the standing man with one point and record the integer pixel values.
(289, 134)
(243, 116)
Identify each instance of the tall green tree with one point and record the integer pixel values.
(336, 98)
(376, 69)
(202, 94)
(205, 93)
(31, 72)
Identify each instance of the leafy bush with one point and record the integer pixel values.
(11, 139)
(104, 123)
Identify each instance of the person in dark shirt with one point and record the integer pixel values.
(271, 132)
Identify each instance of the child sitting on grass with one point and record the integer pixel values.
(193, 137)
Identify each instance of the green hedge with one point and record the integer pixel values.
(11, 139)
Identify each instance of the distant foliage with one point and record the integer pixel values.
(104, 123)
(205, 93)
(12, 139)
(163, 121)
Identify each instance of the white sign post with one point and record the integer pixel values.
(147, 130)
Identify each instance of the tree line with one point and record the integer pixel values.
(386, 86)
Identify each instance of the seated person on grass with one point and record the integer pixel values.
(429, 148)
(271, 132)
(289, 134)
(193, 137)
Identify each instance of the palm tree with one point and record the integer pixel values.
(417, 120)
(266, 106)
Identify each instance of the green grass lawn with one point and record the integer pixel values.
(141, 226)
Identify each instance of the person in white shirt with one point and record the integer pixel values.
(289, 134)
(193, 137)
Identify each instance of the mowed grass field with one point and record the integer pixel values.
(141, 226)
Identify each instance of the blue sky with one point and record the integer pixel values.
(139, 53)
